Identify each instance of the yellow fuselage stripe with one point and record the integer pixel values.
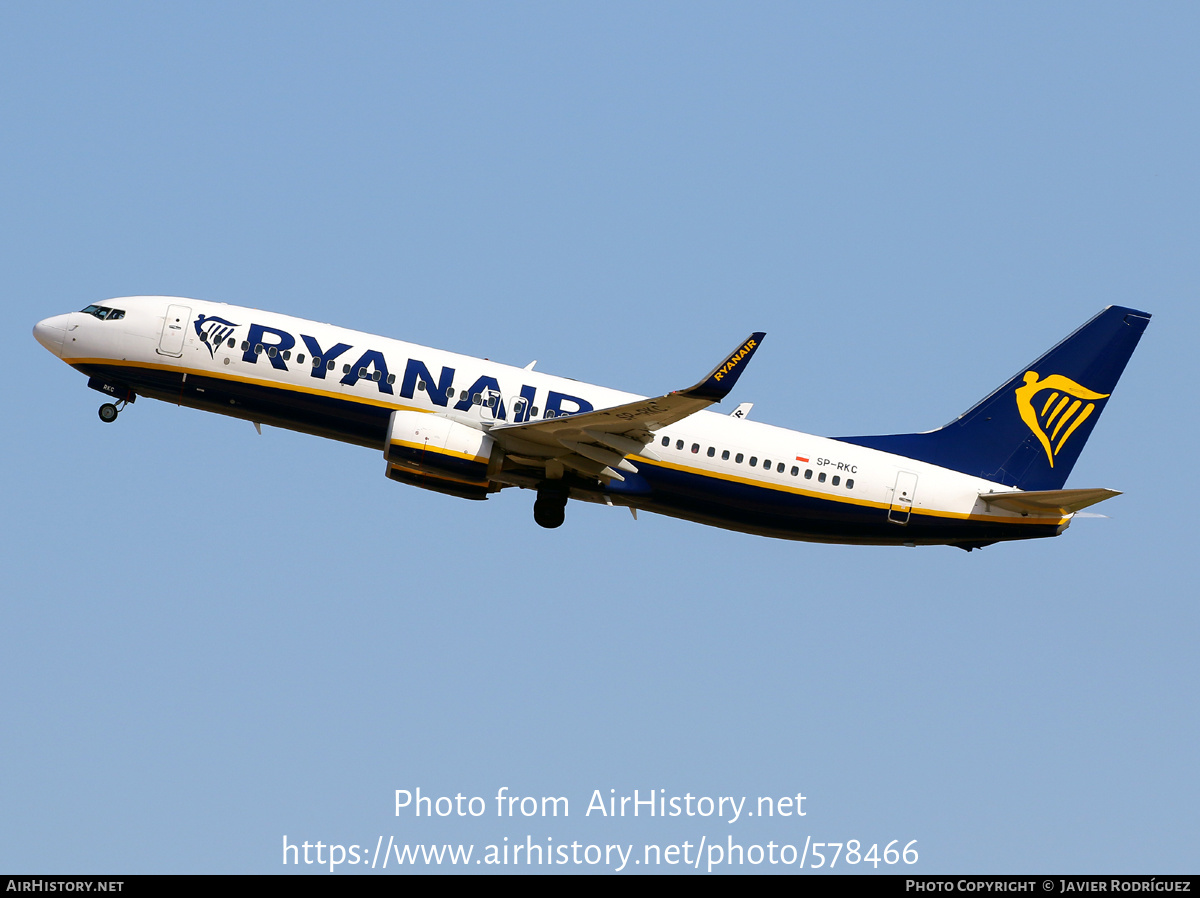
(845, 500)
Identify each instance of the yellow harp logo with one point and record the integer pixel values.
(1058, 411)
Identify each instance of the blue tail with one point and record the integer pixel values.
(1029, 433)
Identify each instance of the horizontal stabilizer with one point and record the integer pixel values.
(1048, 501)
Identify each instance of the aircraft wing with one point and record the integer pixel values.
(597, 442)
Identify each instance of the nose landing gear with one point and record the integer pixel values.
(108, 411)
(123, 394)
(550, 508)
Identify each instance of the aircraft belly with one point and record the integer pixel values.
(327, 416)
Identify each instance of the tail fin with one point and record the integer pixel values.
(1029, 432)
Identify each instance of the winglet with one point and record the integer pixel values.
(722, 378)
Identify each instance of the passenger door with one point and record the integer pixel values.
(170, 342)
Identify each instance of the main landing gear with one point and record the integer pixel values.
(108, 411)
(550, 508)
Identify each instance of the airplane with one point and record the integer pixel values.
(470, 427)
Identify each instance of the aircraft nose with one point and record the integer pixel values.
(50, 333)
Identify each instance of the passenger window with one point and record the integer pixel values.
(329, 365)
(850, 484)
(711, 451)
(808, 474)
(376, 375)
(725, 455)
(391, 378)
(836, 479)
(345, 369)
(362, 372)
(477, 399)
(450, 394)
(300, 359)
(821, 477)
(258, 349)
(738, 458)
(232, 342)
(753, 461)
(287, 355)
(316, 361)
(695, 448)
(679, 444)
(767, 463)
(795, 470)
(272, 352)
(666, 441)
(779, 468)
(245, 345)
(533, 412)
(421, 385)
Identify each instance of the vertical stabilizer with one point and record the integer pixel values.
(1029, 432)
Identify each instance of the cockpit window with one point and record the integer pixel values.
(103, 313)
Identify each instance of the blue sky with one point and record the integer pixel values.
(216, 639)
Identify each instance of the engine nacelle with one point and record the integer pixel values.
(435, 453)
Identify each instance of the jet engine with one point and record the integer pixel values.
(435, 453)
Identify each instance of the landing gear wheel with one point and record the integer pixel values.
(550, 509)
(108, 413)
(549, 514)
